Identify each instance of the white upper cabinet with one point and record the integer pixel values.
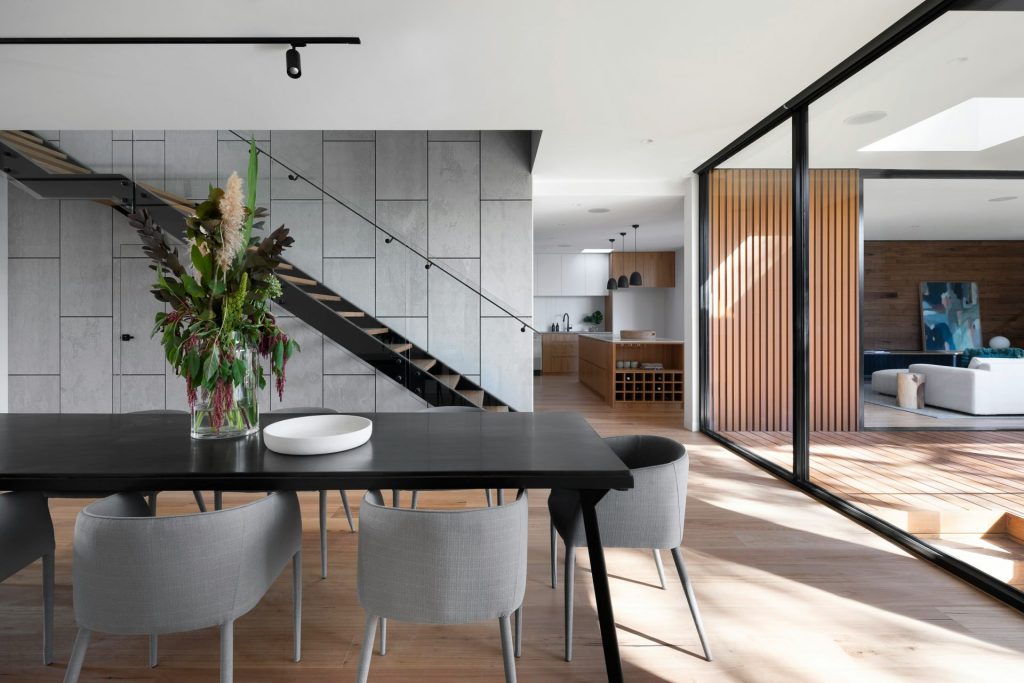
(596, 274)
(547, 274)
(574, 274)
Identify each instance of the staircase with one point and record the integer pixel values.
(48, 173)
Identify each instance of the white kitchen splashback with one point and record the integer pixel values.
(549, 309)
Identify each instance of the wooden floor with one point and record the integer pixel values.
(790, 591)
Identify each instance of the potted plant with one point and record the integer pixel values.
(218, 323)
(597, 317)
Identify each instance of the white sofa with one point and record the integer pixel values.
(989, 386)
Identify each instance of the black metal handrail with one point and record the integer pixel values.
(294, 174)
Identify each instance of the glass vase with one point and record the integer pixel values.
(241, 417)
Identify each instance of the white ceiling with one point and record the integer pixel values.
(565, 224)
(918, 209)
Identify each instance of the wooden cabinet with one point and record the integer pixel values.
(660, 389)
(570, 274)
(559, 353)
(658, 268)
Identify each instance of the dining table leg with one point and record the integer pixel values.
(602, 593)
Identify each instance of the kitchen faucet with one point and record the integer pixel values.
(568, 325)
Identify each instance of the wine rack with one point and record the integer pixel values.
(648, 386)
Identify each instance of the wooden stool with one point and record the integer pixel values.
(910, 390)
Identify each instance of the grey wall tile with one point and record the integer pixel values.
(34, 393)
(234, 157)
(304, 220)
(401, 277)
(350, 393)
(33, 224)
(349, 177)
(174, 391)
(406, 220)
(121, 135)
(190, 162)
(305, 370)
(48, 135)
(302, 151)
(260, 135)
(340, 361)
(394, 398)
(148, 162)
(122, 157)
(454, 135)
(415, 330)
(454, 322)
(86, 379)
(454, 199)
(34, 316)
(401, 164)
(148, 134)
(506, 255)
(136, 308)
(353, 279)
(141, 392)
(85, 264)
(92, 148)
(126, 242)
(349, 134)
(505, 165)
(506, 358)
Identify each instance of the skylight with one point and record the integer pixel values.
(971, 126)
(597, 251)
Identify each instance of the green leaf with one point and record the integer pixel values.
(202, 262)
(211, 366)
(237, 371)
(278, 355)
(292, 347)
(192, 287)
(194, 365)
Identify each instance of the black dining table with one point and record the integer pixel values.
(93, 453)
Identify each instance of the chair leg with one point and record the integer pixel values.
(200, 503)
(323, 534)
(501, 496)
(297, 605)
(396, 498)
(570, 584)
(227, 652)
(77, 656)
(660, 566)
(554, 557)
(519, 631)
(487, 492)
(507, 650)
(415, 498)
(152, 503)
(154, 651)
(348, 510)
(383, 636)
(677, 555)
(48, 609)
(218, 500)
(366, 651)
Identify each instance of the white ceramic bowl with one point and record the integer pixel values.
(317, 434)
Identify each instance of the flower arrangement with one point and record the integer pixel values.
(219, 305)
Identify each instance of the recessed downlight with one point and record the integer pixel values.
(563, 246)
(599, 210)
(1005, 198)
(865, 117)
(647, 141)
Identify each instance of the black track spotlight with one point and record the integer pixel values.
(293, 61)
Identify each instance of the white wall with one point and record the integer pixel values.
(640, 308)
(549, 309)
(688, 278)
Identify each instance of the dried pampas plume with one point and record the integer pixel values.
(232, 212)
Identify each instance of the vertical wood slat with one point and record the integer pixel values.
(750, 243)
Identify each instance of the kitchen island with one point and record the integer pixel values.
(606, 367)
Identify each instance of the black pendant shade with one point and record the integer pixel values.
(635, 279)
(623, 282)
(612, 283)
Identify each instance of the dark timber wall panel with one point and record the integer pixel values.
(751, 318)
(894, 271)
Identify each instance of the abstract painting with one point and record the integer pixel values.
(950, 316)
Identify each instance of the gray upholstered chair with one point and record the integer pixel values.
(650, 515)
(143, 575)
(396, 496)
(323, 494)
(441, 567)
(26, 534)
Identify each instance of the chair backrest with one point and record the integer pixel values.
(136, 574)
(309, 411)
(452, 409)
(651, 514)
(26, 531)
(442, 567)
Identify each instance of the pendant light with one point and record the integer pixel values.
(612, 284)
(623, 280)
(635, 279)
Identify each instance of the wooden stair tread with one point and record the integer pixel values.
(36, 147)
(324, 297)
(375, 330)
(497, 409)
(25, 134)
(284, 266)
(351, 314)
(424, 363)
(55, 165)
(474, 395)
(400, 348)
(167, 197)
(448, 380)
(296, 280)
